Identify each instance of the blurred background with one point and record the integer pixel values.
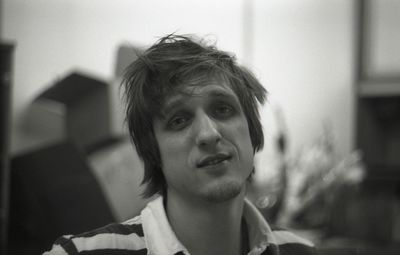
(330, 168)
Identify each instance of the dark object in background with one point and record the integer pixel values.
(53, 192)
(76, 108)
(5, 112)
(369, 212)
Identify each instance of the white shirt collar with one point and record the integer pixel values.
(161, 240)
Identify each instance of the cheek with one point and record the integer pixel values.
(173, 160)
(243, 141)
(172, 149)
(247, 146)
(242, 131)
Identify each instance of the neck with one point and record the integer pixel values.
(205, 227)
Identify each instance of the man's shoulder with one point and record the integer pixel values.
(130, 227)
(115, 238)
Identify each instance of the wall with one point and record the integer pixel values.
(54, 37)
(301, 50)
(384, 38)
(303, 53)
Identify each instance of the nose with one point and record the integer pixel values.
(207, 133)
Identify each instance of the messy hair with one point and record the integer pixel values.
(172, 62)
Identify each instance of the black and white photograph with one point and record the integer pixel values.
(188, 127)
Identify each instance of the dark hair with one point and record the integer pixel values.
(173, 61)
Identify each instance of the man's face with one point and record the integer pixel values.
(204, 142)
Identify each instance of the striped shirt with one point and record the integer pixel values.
(151, 234)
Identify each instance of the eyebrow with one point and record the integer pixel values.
(178, 100)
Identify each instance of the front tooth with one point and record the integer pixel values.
(215, 161)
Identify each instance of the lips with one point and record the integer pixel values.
(213, 159)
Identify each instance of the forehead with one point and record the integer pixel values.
(209, 90)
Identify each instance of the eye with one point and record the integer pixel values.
(224, 110)
(177, 122)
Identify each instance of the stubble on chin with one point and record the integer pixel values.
(223, 192)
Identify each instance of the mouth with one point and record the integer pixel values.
(214, 160)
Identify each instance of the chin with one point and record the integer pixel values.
(223, 191)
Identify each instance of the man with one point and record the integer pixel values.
(192, 114)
